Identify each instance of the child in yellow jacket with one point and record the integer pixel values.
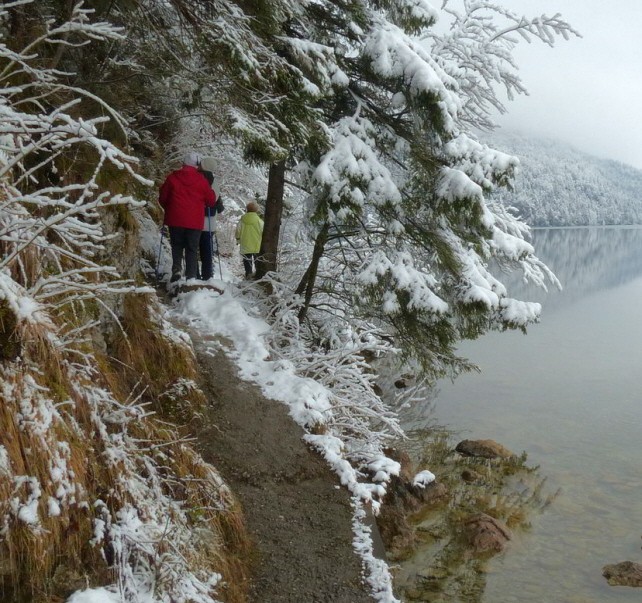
(248, 234)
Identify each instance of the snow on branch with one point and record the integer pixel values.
(395, 56)
(78, 23)
(412, 15)
(402, 278)
(51, 211)
(543, 28)
(477, 51)
(320, 61)
(483, 165)
(351, 175)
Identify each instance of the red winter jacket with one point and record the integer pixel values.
(184, 196)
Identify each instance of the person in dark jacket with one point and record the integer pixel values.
(184, 196)
(206, 244)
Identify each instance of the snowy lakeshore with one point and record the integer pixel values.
(212, 212)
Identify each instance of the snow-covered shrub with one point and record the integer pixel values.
(345, 418)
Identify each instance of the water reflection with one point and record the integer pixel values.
(585, 260)
(569, 394)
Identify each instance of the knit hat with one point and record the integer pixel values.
(192, 159)
(208, 164)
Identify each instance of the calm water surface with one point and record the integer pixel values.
(570, 394)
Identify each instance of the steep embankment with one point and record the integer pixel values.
(295, 511)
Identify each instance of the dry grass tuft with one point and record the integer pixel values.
(37, 455)
(232, 559)
(143, 358)
(224, 545)
(10, 343)
(27, 267)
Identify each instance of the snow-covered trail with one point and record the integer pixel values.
(297, 515)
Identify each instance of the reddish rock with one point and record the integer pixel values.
(486, 534)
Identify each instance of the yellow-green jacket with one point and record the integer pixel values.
(249, 232)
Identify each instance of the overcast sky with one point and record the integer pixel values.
(586, 91)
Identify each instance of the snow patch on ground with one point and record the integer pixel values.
(96, 595)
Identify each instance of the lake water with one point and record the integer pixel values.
(570, 394)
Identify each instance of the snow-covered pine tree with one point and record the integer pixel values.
(399, 201)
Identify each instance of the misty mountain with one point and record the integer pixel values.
(557, 185)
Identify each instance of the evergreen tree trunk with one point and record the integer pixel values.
(272, 227)
(310, 276)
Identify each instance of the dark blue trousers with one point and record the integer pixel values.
(184, 243)
(205, 249)
(249, 262)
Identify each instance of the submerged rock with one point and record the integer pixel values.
(487, 449)
(470, 476)
(486, 534)
(625, 573)
(404, 381)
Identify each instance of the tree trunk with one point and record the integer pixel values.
(272, 228)
(310, 276)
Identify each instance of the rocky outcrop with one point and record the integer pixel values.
(487, 449)
(485, 534)
(625, 573)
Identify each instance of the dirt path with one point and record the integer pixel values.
(295, 511)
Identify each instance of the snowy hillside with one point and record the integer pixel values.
(558, 185)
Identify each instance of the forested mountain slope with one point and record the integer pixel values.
(558, 185)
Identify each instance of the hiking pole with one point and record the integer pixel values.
(160, 249)
(218, 255)
(209, 229)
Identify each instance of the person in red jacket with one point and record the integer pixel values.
(184, 196)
